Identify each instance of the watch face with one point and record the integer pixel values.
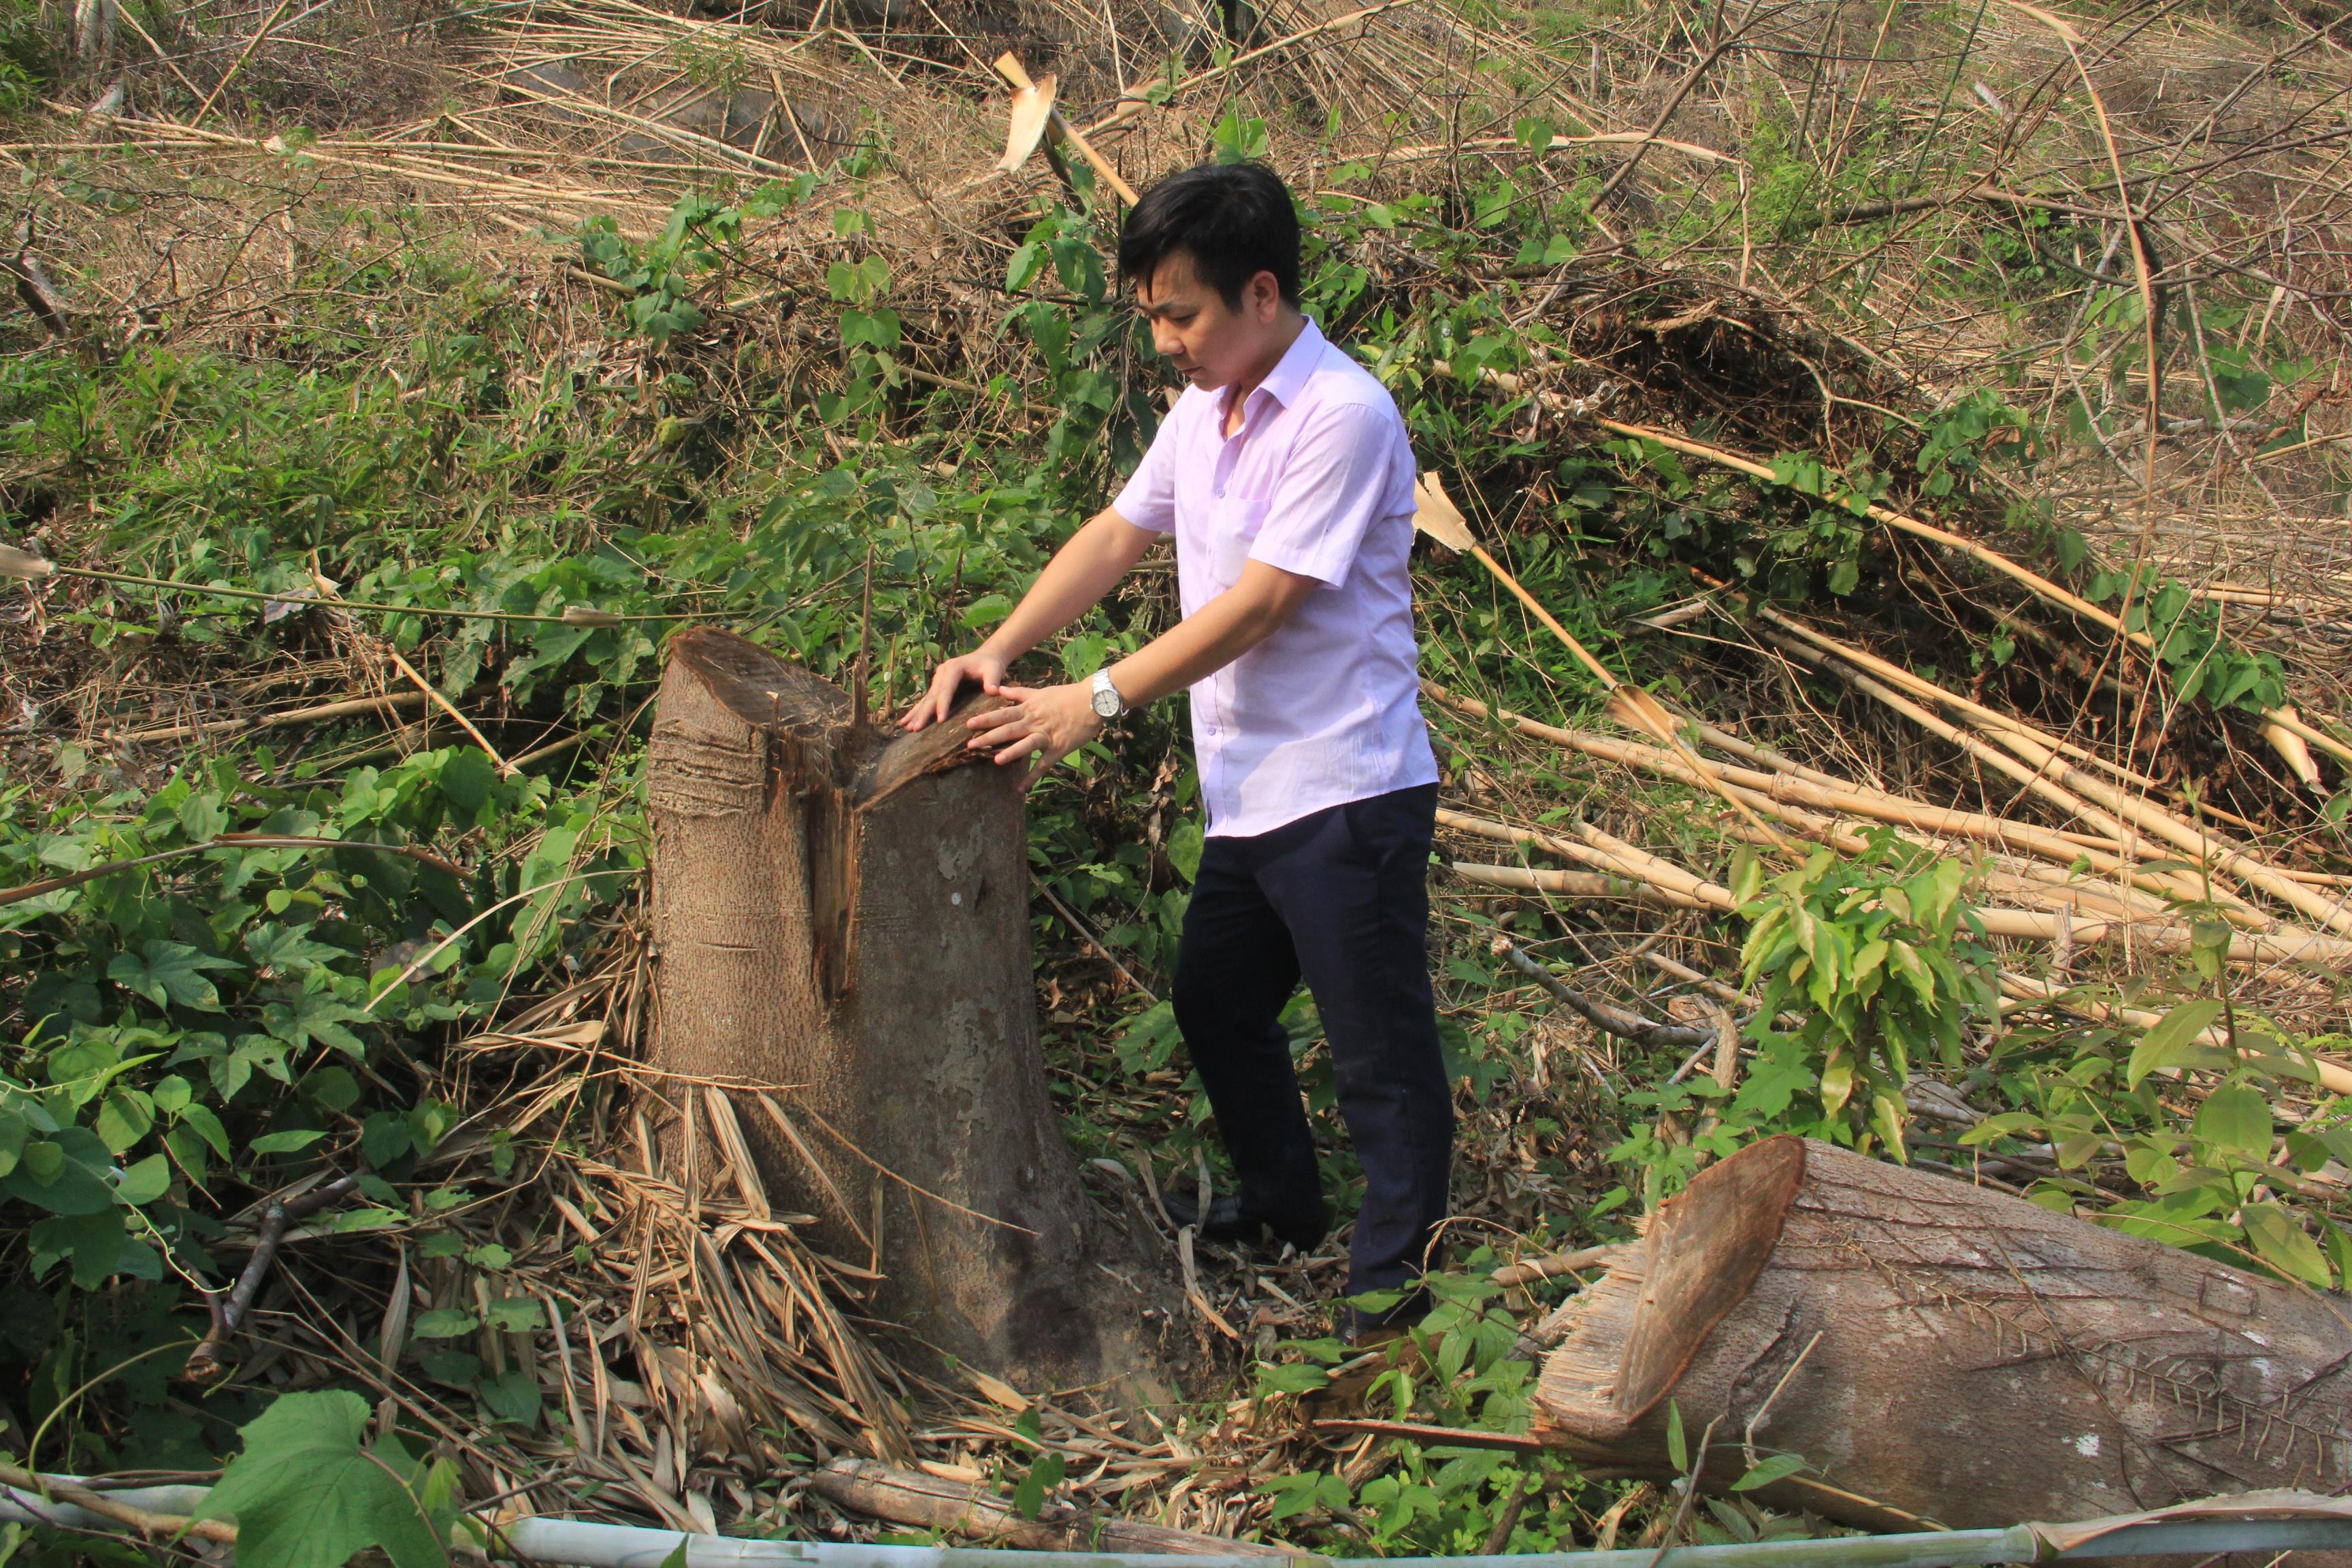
(1107, 704)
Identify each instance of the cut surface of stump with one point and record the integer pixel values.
(842, 916)
(1938, 1351)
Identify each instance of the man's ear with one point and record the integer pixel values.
(1264, 296)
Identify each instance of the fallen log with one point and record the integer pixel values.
(1934, 1350)
(966, 1510)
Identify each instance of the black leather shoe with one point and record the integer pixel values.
(1230, 1219)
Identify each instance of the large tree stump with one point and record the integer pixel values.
(1940, 1351)
(843, 911)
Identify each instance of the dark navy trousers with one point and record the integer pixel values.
(1341, 898)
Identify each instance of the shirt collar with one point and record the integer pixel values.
(1288, 377)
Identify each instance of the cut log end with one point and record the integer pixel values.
(1936, 1350)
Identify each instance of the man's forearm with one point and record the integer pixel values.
(1088, 565)
(1224, 629)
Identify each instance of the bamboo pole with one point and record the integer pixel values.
(1771, 792)
(2327, 953)
(2281, 717)
(1436, 515)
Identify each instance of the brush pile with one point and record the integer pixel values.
(1942, 414)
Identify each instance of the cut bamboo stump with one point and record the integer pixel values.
(842, 912)
(1936, 1350)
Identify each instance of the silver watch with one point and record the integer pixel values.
(1107, 703)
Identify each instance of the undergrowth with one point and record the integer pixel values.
(214, 1018)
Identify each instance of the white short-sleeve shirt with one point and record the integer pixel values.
(1318, 482)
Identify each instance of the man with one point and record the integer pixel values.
(1286, 475)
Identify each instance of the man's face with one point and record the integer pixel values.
(1212, 344)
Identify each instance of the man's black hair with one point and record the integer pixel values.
(1234, 220)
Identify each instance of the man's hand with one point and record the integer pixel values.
(932, 707)
(1044, 724)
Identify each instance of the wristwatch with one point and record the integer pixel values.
(1107, 703)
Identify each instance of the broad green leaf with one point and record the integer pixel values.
(1184, 845)
(125, 1118)
(2236, 1118)
(2280, 1238)
(167, 973)
(65, 1174)
(306, 1015)
(514, 1396)
(444, 1323)
(98, 1248)
(207, 1126)
(1837, 1082)
(1292, 1377)
(1677, 1449)
(304, 1494)
(145, 1182)
(516, 1314)
(1043, 1477)
(2172, 1041)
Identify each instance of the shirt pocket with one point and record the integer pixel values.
(1232, 533)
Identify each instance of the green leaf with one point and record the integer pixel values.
(513, 1397)
(1292, 1377)
(2236, 1118)
(209, 1126)
(2280, 1238)
(307, 1016)
(170, 971)
(123, 1119)
(1184, 845)
(283, 1143)
(304, 1494)
(515, 1314)
(65, 1174)
(987, 610)
(1767, 1471)
(97, 1247)
(1677, 1449)
(145, 1182)
(1043, 1477)
(444, 1323)
(2171, 1041)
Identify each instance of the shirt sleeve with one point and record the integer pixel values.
(1149, 498)
(1329, 492)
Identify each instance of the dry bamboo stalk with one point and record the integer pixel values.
(1994, 558)
(1658, 869)
(2110, 829)
(2207, 849)
(1894, 520)
(1615, 877)
(1982, 716)
(1008, 66)
(2293, 722)
(325, 710)
(2334, 1077)
(1525, 879)
(2124, 838)
(1436, 515)
(1765, 757)
(1770, 791)
(2326, 953)
(2291, 748)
